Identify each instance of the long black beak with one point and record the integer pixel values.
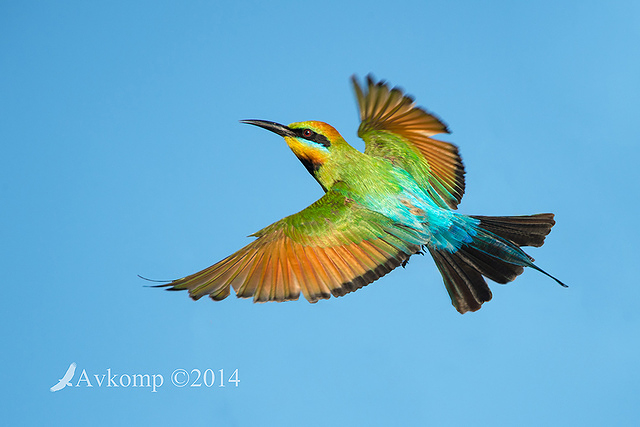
(281, 130)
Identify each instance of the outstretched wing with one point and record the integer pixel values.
(70, 372)
(61, 384)
(333, 247)
(397, 130)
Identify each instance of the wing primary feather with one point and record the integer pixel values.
(241, 280)
(312, 276)
(293, 285)
(252, 280)
(388, 105)
(296, 269)
(231, 265)
(320, 271)
(278, 292)
(335, 277)
(266, 282)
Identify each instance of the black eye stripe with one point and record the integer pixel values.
(310, 135)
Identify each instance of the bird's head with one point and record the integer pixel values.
(314, 143)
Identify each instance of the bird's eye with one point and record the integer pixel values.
(307, 133)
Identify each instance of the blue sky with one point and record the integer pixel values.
(123, 155)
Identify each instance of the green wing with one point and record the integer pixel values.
(330, 248)
(395, 129)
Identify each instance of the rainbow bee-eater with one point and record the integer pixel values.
(396, 199)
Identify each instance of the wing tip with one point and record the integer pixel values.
(377, 84)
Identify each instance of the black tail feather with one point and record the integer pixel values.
(489, 266)
(524, 230)
(464, 269)
(466, 286)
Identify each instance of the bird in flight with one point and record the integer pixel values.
(380, 207)
(66, 379)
